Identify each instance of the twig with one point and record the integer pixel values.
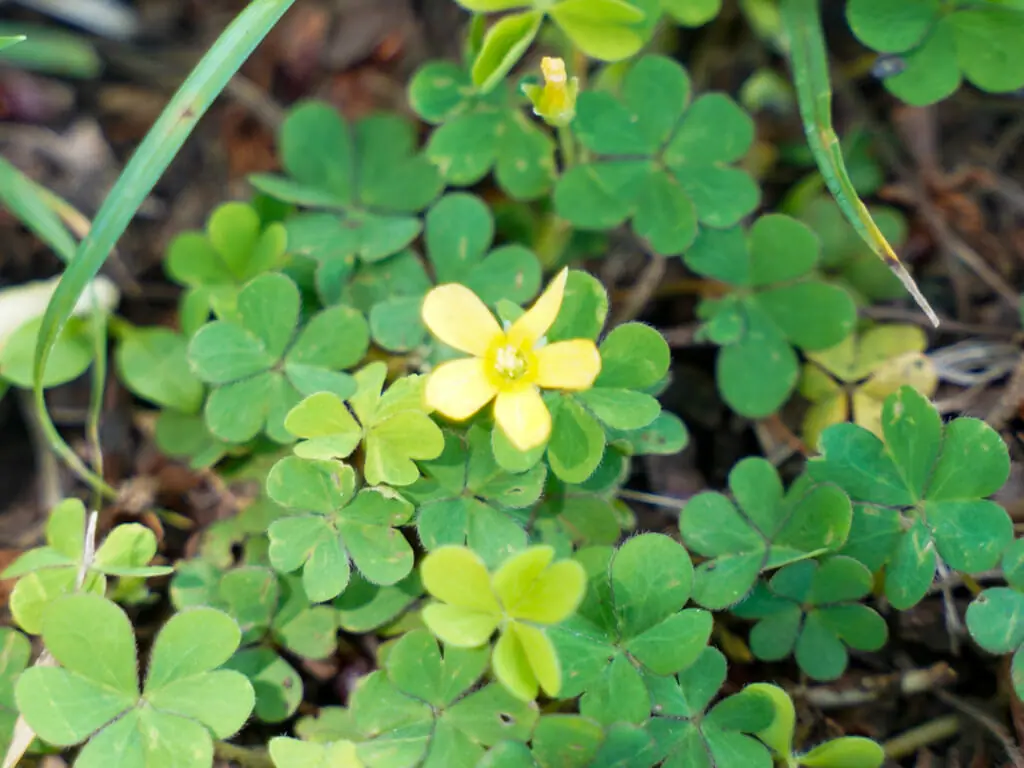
(654, 499)
(868, 689)
(990, 724)
(909, 742)
(643, 289)
(683, 336)
(948, 325)
(954, 627)
(1009, 400)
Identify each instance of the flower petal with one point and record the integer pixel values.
(459, 388)
(512, 668)
(541, 316)
(541, 656)
(570, 364)
(456, 316)
(460, 627)
(523, 418)
(457, 575)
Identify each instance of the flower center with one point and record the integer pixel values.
(509, 362)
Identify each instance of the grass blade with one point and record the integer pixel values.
(148, 163)
(801, 20)
(31, 204)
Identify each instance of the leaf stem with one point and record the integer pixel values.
(567, 147)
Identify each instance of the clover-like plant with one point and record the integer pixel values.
(844, 752)
(812, 610)
(584, 514)
(259, 366)
(392, 426)
(185, 702)
(942, 43)
(464, 497)
(603, 29)
(477, 133)
(338, 524)
(919, 492)
(765, 528)
(458, 236)
(215, 264)
(273, 613)
(421, 709)
(369, 175)
(632, 622)
(49, 572)
(853, 378)
(776, 306)
(658, 160)
(525, 595)
(687, 734)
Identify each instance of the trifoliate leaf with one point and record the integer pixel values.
(185, 695)
(686, 186)
(765, 528)
(928, 483)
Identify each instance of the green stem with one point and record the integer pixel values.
(96, 396)
(567, 146)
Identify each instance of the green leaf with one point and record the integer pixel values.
(278, 687)
(602, 29)
(692, 13)
(762, 349)
(192, 642)
(93, 638)
(311, 485)
(364, 607)
(584, 308)
(152, 363)
(888, 27)
(986, 47)
(504, 44)
(577, 442)
(71, 355)
(845, 752)
(996, 620)
(640, 602)
(45, 696)
(931, 73)
(566, 740)
(633, 356)
(416, 667)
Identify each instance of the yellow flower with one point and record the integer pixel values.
(555, 101)
(509, 366)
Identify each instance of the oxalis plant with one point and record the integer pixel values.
(395, 338)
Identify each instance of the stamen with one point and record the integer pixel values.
(509, 362)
